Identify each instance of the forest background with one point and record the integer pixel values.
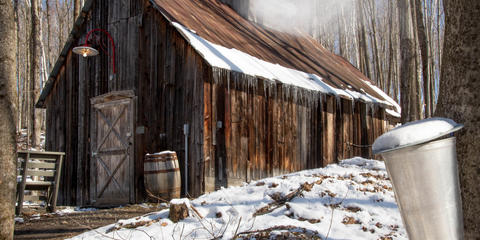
(370, 34)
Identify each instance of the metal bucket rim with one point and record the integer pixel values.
(456, 128)
(164, 153)
(160, 158)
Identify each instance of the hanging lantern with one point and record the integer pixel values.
(87, 51)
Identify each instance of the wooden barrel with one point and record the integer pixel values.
(162, 175)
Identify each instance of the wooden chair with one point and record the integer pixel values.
(39, 171)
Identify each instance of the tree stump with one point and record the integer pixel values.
(178, 212)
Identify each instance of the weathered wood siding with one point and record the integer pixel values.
(154, 61)
(170, 94)
(68, 105)
(254, 128)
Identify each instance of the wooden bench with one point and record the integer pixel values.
(39, 171)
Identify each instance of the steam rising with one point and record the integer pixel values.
(295, 16)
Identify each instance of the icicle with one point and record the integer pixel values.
(353, 105)
(304, 99)
(252, 83)
(265, 88)
(314, 97)
(309, 98)
(338, 100)
(294, 95)
(272, 89)
(303, 96)
(372, 109)
(228, 82)
(234, 80)
(215, 75)
(321, 99)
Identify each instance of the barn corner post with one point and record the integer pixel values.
(210, 129)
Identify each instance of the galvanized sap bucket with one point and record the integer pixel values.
(425, 180)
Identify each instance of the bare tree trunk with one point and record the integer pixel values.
(459, 100)
(430, 41)
(8, 154)
(26, 72)
(439, 42)
(17, 71)
(49, 48)
(415, 91)
(77, 8)
(35, 54)
(356, 39)
(407, 71)
(390, 77)
(364, 58)
(378, 67)
(61, 22)
(439, 49)
(43, 68)
(341, 37)
(424, 52)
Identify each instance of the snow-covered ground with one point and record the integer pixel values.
(350, 200)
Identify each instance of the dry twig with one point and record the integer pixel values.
(333, 209)
(277, 203)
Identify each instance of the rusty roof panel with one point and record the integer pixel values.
(219, 24)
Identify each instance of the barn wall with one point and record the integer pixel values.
(61, 130)
(254, 128)
(170, 94)
(165, 73)
(80, 79)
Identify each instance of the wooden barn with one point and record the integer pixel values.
(255, 102)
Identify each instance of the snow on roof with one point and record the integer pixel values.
(414, 132)
(238, 61)
(397, 111)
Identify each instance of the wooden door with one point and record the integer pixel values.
(112, 149)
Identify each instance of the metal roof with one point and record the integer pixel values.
(219, 24)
